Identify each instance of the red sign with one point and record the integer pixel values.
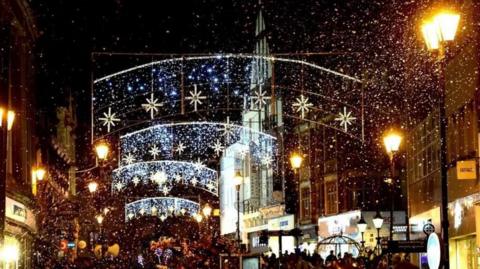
(63, 244)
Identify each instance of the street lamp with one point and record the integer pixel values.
(296, 160)
(92, 186)
(238, 180)
(377, 223)
(39, 173)
(392, 140)
(362, 227)
(198, 217)
(101, 149)
(207, 210)
(99, 219)
(9, 117)
(438, 32)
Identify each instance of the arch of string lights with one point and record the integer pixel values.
(165, 175)
(161, 207)
(193, 142)
(160, 90)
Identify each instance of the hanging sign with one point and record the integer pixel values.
(467, 170)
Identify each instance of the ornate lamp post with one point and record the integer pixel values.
(377, 223)
(438, 32)
(362, 227)
(392, 142)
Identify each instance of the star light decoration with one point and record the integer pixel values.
(217, 147)
(195, 97)
(152, 105)
(302, 105)
(259, 99)
(227, 130)
(159, 177)
(128, 159)
(161, 207)
(345, 118)
(135, 180)
(180, 148)
(109, 119)
(154, 151)
(267, 160)
(119, 186)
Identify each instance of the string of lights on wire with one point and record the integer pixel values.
(161, 207)
(164, 175)
(205, 85)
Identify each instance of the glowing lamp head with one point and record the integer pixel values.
(198, 217)
(378, 221)
(207, 210)
(296, 160)
(238, 179)
(102, 150)
(92, 186)
(10, 253)
(446, 23)
(362, 225)
(392, 142)
(40, 173)
(430, 35)
(99, 219)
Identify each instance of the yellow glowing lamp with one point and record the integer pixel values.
(198, 217)
(207, 210)
(10, 119)
(102, 150)
(238, 178)
(99, 219)
(430, 35)
(40, 173)
(296, 160)
(392, 142)
(446, 24)
(92, 186)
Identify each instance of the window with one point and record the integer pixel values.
(331, 198)
(305, 203)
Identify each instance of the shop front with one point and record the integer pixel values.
(20, 231)
(288, 243)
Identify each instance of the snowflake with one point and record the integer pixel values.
(135, 180)
(195, 97)
(142, 211)
(217, 147)
(198, 164)
(129, 159)
(303, 106)
(227, 129)
(178, 178)
(210, 186)
(163, 217)
(152, 105)
(267, 160)
(194, 181)
(180, 148)
(130, 215)
(118, 185)
(154, 210)
(259, 99)
(154, 151)
(345, 118)
(159, 177)
(165, 190)
(109, 119)
(183, 211)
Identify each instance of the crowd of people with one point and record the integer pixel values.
(301, 260)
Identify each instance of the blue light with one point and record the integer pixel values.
(129, 88)
(209, 70)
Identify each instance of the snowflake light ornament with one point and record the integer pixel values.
(178, 178)
(119, 186)
(194, 181)
(259, 99)
(345, 118)
(128, 159)
(198, 164)
(154, 151)
(217, 147)
(152, 105)
(109, 119)
(195, 97)
(180, 148)
(159, 177)
(135, 180)
(165, 190)
(267, 160)
(227, 129)
(302, 105)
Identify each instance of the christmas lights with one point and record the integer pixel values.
(161, 207)
(165, 175)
